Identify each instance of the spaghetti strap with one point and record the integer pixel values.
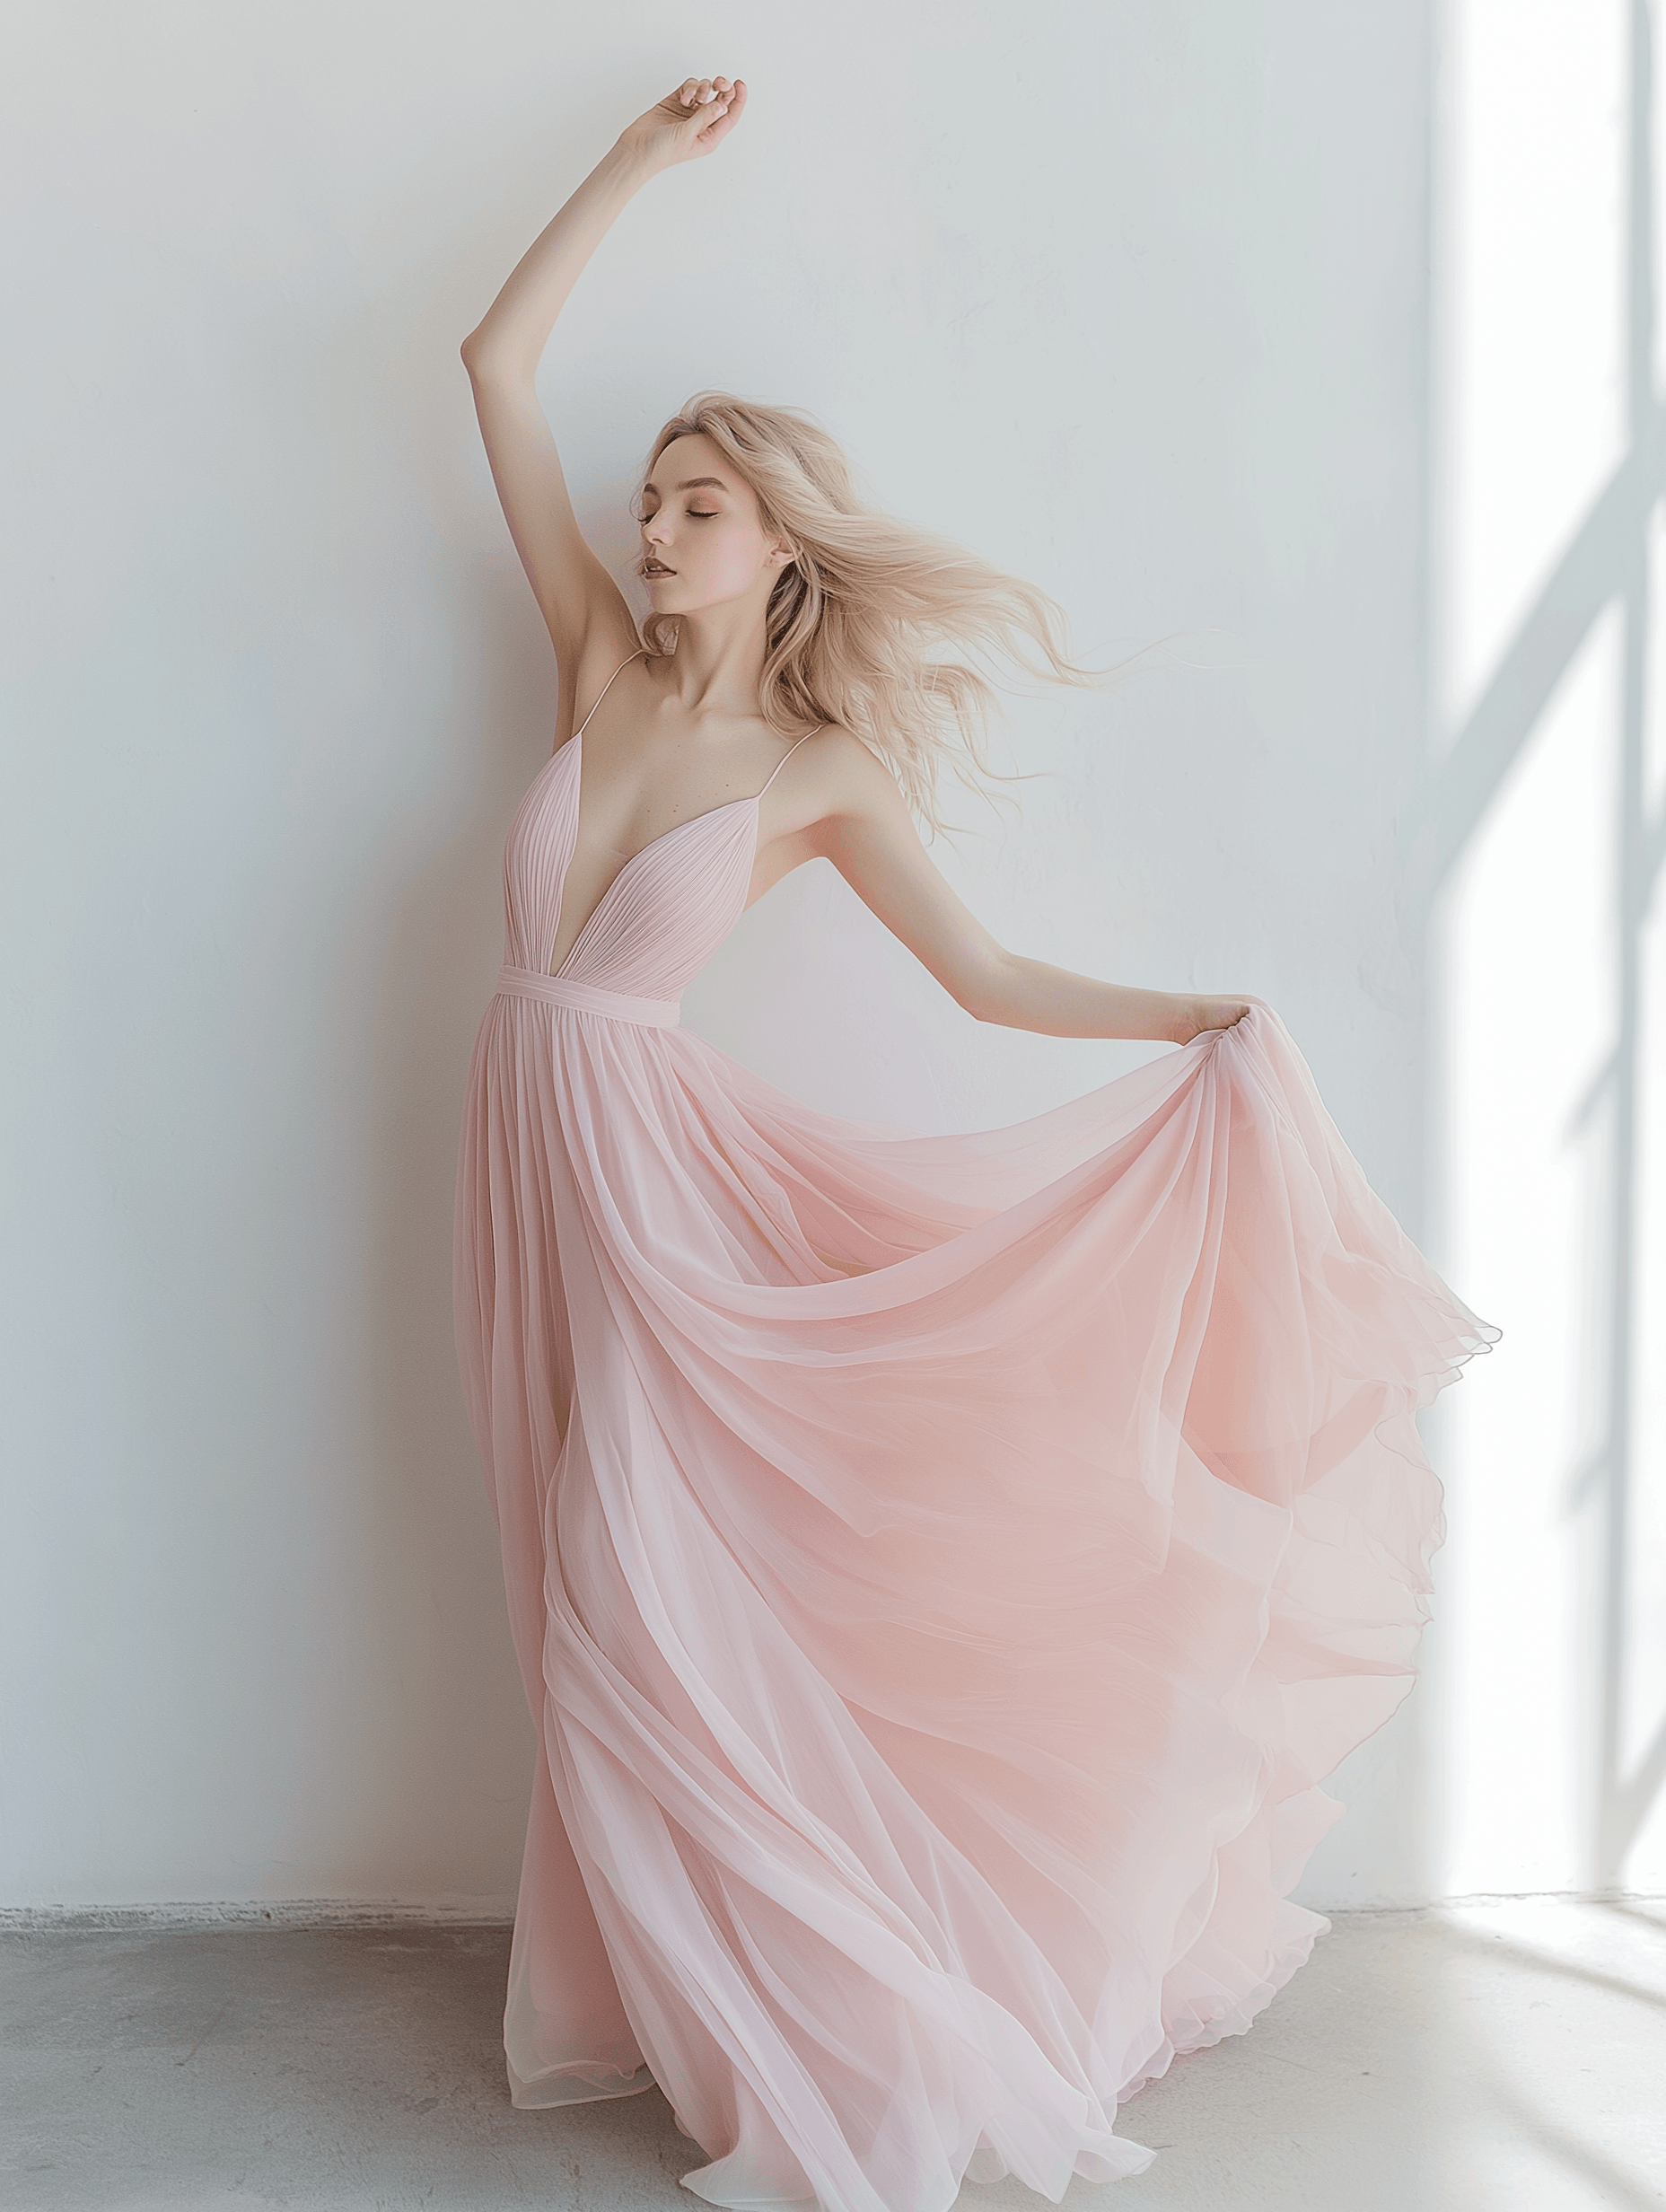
(609, 686)
(787, 755)
(1165, 1339)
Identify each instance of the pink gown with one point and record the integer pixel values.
(942, 1568)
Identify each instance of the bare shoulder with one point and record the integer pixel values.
(844, 801)
(588, 669)
(846, 775)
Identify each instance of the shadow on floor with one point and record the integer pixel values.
(1504, 2056)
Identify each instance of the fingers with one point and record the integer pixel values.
(702, 91)
(722, 115)
(707, 109)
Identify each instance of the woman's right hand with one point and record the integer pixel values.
(693, 120)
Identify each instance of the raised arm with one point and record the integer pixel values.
(590, 624)
(864, 827)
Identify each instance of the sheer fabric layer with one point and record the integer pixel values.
(942, 1569)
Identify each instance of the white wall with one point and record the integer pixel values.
(1131, 298)
(1542, 836)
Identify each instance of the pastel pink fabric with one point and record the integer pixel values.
(942, 1568)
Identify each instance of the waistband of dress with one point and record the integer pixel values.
(588, 998)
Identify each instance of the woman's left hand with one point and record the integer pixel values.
(1199, 1015)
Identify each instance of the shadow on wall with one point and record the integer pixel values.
(1531, 868)
(1532, 864)
(444, 1765)
(453, 1787)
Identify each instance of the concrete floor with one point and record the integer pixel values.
(1504, 2055)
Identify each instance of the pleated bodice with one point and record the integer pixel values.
(662, 917)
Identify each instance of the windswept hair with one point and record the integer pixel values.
(858, 620)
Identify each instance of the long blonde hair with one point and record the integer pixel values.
(858, 618)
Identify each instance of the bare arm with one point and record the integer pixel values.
(589, 622)
(864, 827)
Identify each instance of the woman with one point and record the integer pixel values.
(942, 1569)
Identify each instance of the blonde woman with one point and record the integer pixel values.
(943, 1569)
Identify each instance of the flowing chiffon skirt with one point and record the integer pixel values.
(942, 1570)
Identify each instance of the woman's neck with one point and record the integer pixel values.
(718, 664)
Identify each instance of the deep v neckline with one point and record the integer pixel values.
(576, 744)
(706, 814)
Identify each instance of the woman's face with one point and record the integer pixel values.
(702, 542)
